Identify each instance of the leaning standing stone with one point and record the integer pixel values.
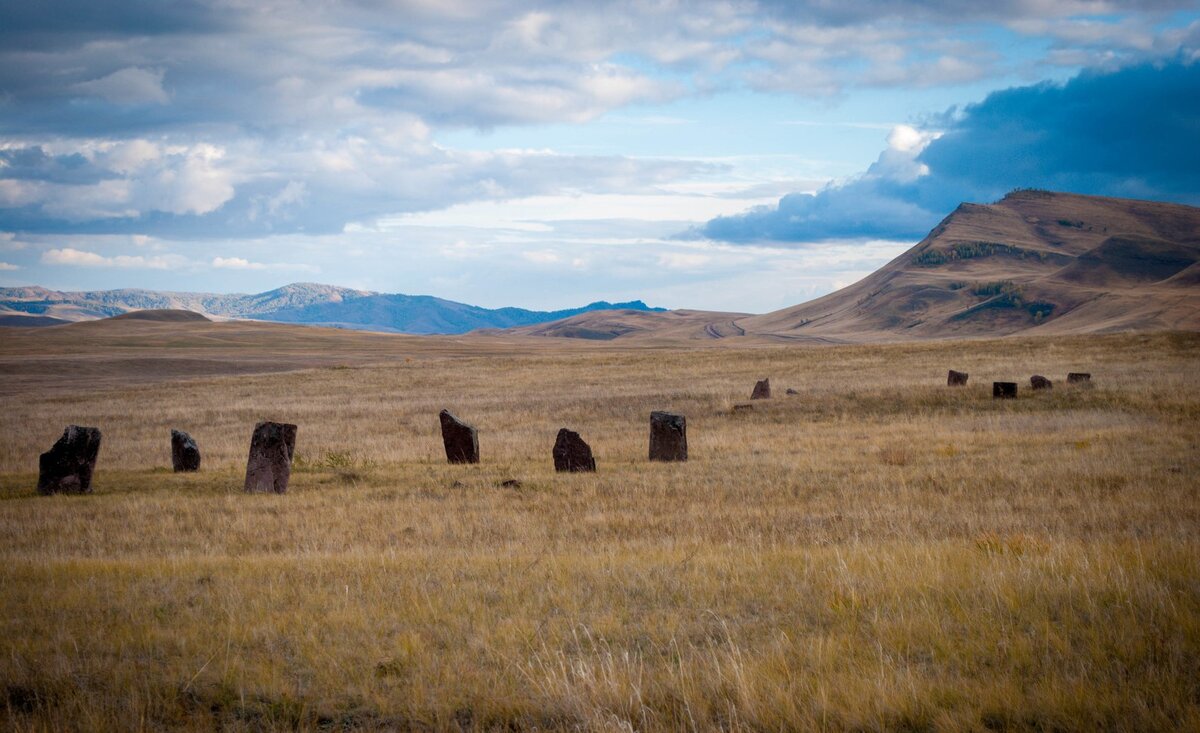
(185, 454)
(762, 390)
(270, 464)
(460, 439)
(1004, 390)
(1038, 382)
(572, 454)
(668, 437)
(67, 467)
(956, 379)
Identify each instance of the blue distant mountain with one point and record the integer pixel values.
(305, 303)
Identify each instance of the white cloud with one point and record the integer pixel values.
(8, 267)
(82, 258)
(132, 85)
(236, 263)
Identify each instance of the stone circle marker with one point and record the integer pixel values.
(185, 454)
(270, 463)
(956, 379)
(791, 391)
(1038, 383)
(1004, 390)
(572, 454)
(67, 467)
(668, 437)
(1079, 378)
(460, 439)
(762, 390)
(743, 407)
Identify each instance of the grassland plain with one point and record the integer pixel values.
(877, 552)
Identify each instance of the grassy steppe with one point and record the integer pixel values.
(878, 552)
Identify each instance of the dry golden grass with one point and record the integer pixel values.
(879, 552)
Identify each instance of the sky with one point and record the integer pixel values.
(725, 155)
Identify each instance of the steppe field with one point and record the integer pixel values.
(876, 552)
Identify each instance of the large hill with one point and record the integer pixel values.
(1036, 262)
(305, 303)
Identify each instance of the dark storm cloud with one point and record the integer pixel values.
(1130, 133)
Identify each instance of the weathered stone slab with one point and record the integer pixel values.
(459, 438)
(1038, 383)
(956, 379)
(1004, 390)
(743, 407)
(185, 454)
(668, 437)
(572, 454)
(269, 466)
(68, 466)
(791, 391)
(1079, 378)
(762, 390)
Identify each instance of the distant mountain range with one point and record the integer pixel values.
(303, 303)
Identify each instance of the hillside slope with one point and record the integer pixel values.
(1035, 262)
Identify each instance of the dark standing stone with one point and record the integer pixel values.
(185, 454)
(1079, 378)
(956, 379)
(571, 453)
(270, 463)
(460, 439)
(1004, 390)
(1038, 382)
(762, 390)
(67, 467)
(668, 437)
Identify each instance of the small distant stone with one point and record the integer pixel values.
(668, 437)
(956, 379)
(185, 454)
(1079, 378)
(68, 466)
(762, 390)
(459, 438)
(791, 391)
(269, 467)
(1004, 390)
(743, 407)
(1038, 383)
(457, 485)
(511, 483)
(572, 454)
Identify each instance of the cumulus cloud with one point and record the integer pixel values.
(8, 267)
(1125, 133)
(82, 258)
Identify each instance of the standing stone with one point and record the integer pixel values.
(67, 467)
(668, 437)
(460, 439)
(185, 454)
(1004, 390)
(1079, 378)
(270, 464)
(956, 379)
(572, 454)
(762, 390)
(1038, 382)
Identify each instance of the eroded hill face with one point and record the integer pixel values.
(1035, 261)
